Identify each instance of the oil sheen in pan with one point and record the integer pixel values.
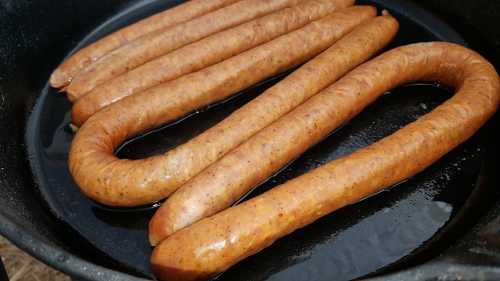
(392, 228)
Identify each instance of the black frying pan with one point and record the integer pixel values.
(403, 226)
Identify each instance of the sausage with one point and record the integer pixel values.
(200, 54)
(163, 41)
(63, 75)
(225, 181)
(213, 244)
(122, 182)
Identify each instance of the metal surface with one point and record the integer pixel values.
(35, 41)
(3, 273)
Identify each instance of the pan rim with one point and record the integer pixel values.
(86, 270)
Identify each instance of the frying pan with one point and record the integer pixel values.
(440, 224)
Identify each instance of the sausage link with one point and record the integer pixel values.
(166, 40)
(203, 53)
(122, 182)
(213, 244)
(225, 181)
(63, 75)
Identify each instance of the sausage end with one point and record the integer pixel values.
(58, 79)
(71, 93)
(160, 227)
(166, 265)
(80, 112)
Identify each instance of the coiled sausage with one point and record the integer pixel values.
(122, 182)
(213, 244)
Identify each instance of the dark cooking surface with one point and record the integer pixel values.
(34, 37)
(350, 243)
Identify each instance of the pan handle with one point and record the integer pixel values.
(3, 272)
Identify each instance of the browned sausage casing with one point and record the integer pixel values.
(213, 244)
(166, 40)
(121, 182)
(203, 53)
(226, 180)
(73, 65)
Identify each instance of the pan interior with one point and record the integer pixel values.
(398, 225)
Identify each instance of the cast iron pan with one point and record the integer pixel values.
(394, 228)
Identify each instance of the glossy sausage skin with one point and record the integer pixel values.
(63, 75)
(225, 181)
(166, 40)
(122, 182)
(213, 244)
(202, 53)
